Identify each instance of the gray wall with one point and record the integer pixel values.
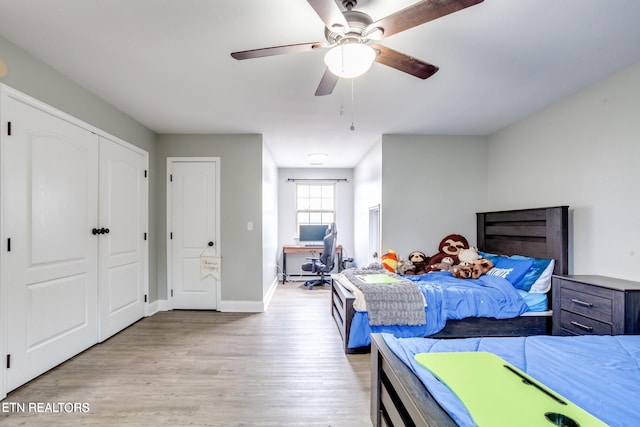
(583, 152)
(31, 76)
(241, 201)
(432, 186)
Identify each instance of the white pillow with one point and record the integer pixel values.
(543, 284)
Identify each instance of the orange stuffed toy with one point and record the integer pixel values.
(390, 261)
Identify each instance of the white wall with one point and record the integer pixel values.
(367, 180)
(270, 249)
(287, 232)
(583, 151)
(432, 186)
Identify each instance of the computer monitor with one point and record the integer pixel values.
(312, 233)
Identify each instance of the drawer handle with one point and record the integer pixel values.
(581, 326)
(582, 303)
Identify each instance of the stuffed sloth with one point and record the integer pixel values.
(450, 246)
(419, 261)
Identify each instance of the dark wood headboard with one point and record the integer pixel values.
(538, 233)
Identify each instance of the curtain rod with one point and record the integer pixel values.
(317, 179)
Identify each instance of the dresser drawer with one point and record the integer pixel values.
(586, 304)
(581, 325)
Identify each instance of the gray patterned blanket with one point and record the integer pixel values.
(391, 300)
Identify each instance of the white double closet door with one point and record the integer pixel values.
(69, 282)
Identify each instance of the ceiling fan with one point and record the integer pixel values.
(351, 29)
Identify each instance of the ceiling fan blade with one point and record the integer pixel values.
(405, 63)
(278, 50)
(330, 14)
(327, 83)
(417, 14)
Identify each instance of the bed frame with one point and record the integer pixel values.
(538, 233)
(398, 397)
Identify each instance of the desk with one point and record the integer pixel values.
(312, 251)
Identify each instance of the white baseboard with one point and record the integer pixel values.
(241, 306)
(269, 294)
(226, 306)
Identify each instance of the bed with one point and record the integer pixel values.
(403, 393)
(537, 233)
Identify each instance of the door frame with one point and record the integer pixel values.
(170, 162)
(375, 234)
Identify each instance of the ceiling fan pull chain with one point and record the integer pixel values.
(353, 106)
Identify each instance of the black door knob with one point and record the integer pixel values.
(210, 243)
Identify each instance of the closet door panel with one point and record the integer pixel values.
(122, 251)
(50, 208)
(58, 200)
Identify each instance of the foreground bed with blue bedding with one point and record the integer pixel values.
(598, 373)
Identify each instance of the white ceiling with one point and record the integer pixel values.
(166, 63)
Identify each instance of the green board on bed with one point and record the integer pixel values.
(498, 394)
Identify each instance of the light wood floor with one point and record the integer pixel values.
(284, 367)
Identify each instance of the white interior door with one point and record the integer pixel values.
(51, 204)
(122, 238)
(374, 234)
(192, 222)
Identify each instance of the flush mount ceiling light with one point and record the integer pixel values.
(350, 59)
(317, 158)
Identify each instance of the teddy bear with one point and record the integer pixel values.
(450, 246)
(480, 267)
(406, 267)
(468, 256)
(445, 265)
(419, 261)
(461, 271)
(471, 270)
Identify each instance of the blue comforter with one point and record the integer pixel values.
(598, 373)
(448, 298)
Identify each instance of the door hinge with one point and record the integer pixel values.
(9, 244)
(170, 236)
(170, 177)
(8, 361)
(145, 236)
(9, 128)
(171, 293)
(145, 297)
(145, 173)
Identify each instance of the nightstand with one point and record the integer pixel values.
(595, 305)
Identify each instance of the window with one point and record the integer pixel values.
(315, 204)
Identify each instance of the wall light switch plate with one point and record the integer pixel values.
(250, 226)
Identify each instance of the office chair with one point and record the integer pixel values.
(324, 264)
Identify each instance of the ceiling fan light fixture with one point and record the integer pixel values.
(317, 158)
(350, 59)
